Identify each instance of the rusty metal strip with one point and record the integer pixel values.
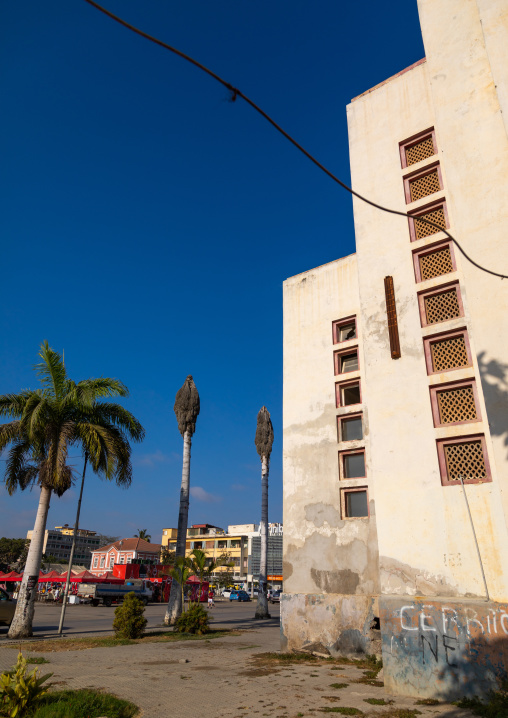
(391, 313)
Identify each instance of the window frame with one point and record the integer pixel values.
(339, 385)
(345, 417)
(425, 293)
(421, 212)
(343, 504)
(350, 452)
(419, 174)
(434, 338)
(441, 443)
(95, 561)
(437, 388)
(414, 140)
(339, 354)
(337, 326)
(430, 249)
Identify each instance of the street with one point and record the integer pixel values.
(86, 620)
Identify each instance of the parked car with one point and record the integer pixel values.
(239, 596)
(226, 593)
(274, 597)
(7, 607)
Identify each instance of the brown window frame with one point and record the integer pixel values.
(421, 212)
(437, 388)
(344, 384)
(441, 443)
(414, 140)
(337, 325)
(429, 169)
(430, 249)
(352, 490)
(350, 452)
(432, 339)
(337, 356)
(343, 417)
(425, 293)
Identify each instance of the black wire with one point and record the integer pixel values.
(235, 92)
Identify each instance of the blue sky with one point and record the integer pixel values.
(148, 223)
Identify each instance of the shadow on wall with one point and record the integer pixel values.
(494, 376)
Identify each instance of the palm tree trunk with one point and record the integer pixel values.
(175, 602)
(73, 547)
(262, 605)
(21, 626)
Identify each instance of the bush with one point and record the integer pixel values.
(85, 702)
(496, 705)
(21, 692)
(129, 618)
(193, 620)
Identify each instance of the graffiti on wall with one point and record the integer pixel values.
(443, 649)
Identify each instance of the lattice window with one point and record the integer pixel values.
(440, 307)
(466, 460)
(449, 353)
(423, 186)
(434, 264)
(457, 405)
(425, 230)
(420, 151)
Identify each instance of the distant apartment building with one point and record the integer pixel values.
(274, 556)
(396, 380)
(127, 550)
(58, 542)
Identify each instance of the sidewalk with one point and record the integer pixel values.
(221, 678)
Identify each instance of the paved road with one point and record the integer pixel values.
(86, 620)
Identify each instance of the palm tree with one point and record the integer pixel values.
(264, 442)
(180, 573)
(186, 409)
(143, 534)
(45, 423)
(203, 567)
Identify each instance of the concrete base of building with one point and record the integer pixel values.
(443, 648)
(331, 624)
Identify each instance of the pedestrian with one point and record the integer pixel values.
(210, 599)
(56, 595)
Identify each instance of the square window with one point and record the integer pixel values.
(440, 304)
(350, 428)
(434, 262)
(348, 394)
(346, 361)
(464, 457)
(447, 352)
(455, 403)
(344, 330)
(423, 184)
(436, 213)
(353, 465)
(418, 148)
(355, 503)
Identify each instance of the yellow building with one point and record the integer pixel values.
(215, 542)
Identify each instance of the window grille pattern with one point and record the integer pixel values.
(465, 460)
(436, 263)
(425, 230)
(449, 354)
(440, 307)
(421, 151)
(457, 405)
(423, 186)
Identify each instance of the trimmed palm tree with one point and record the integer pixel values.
(45, 423)
(143, 534)
(264, 442)
(187, 410)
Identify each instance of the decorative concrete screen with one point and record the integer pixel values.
(423, 186)
(443, 306)
(422, 229)
(465, 460)
(420, 151)
(434, 264)
(457, 405)
(449, 353)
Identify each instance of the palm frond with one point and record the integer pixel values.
(16, 465)
(101, 388)
(105, 412)
(9, 432)
(13, 404)
(51, 371)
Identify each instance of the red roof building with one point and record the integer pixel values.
(123, 551)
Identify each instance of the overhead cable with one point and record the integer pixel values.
(235, 92)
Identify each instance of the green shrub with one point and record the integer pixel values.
(193, 620)
(496, 705)
(85, 702)
(130, 621)
(20, 691)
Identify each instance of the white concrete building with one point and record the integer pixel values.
(396, 379)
